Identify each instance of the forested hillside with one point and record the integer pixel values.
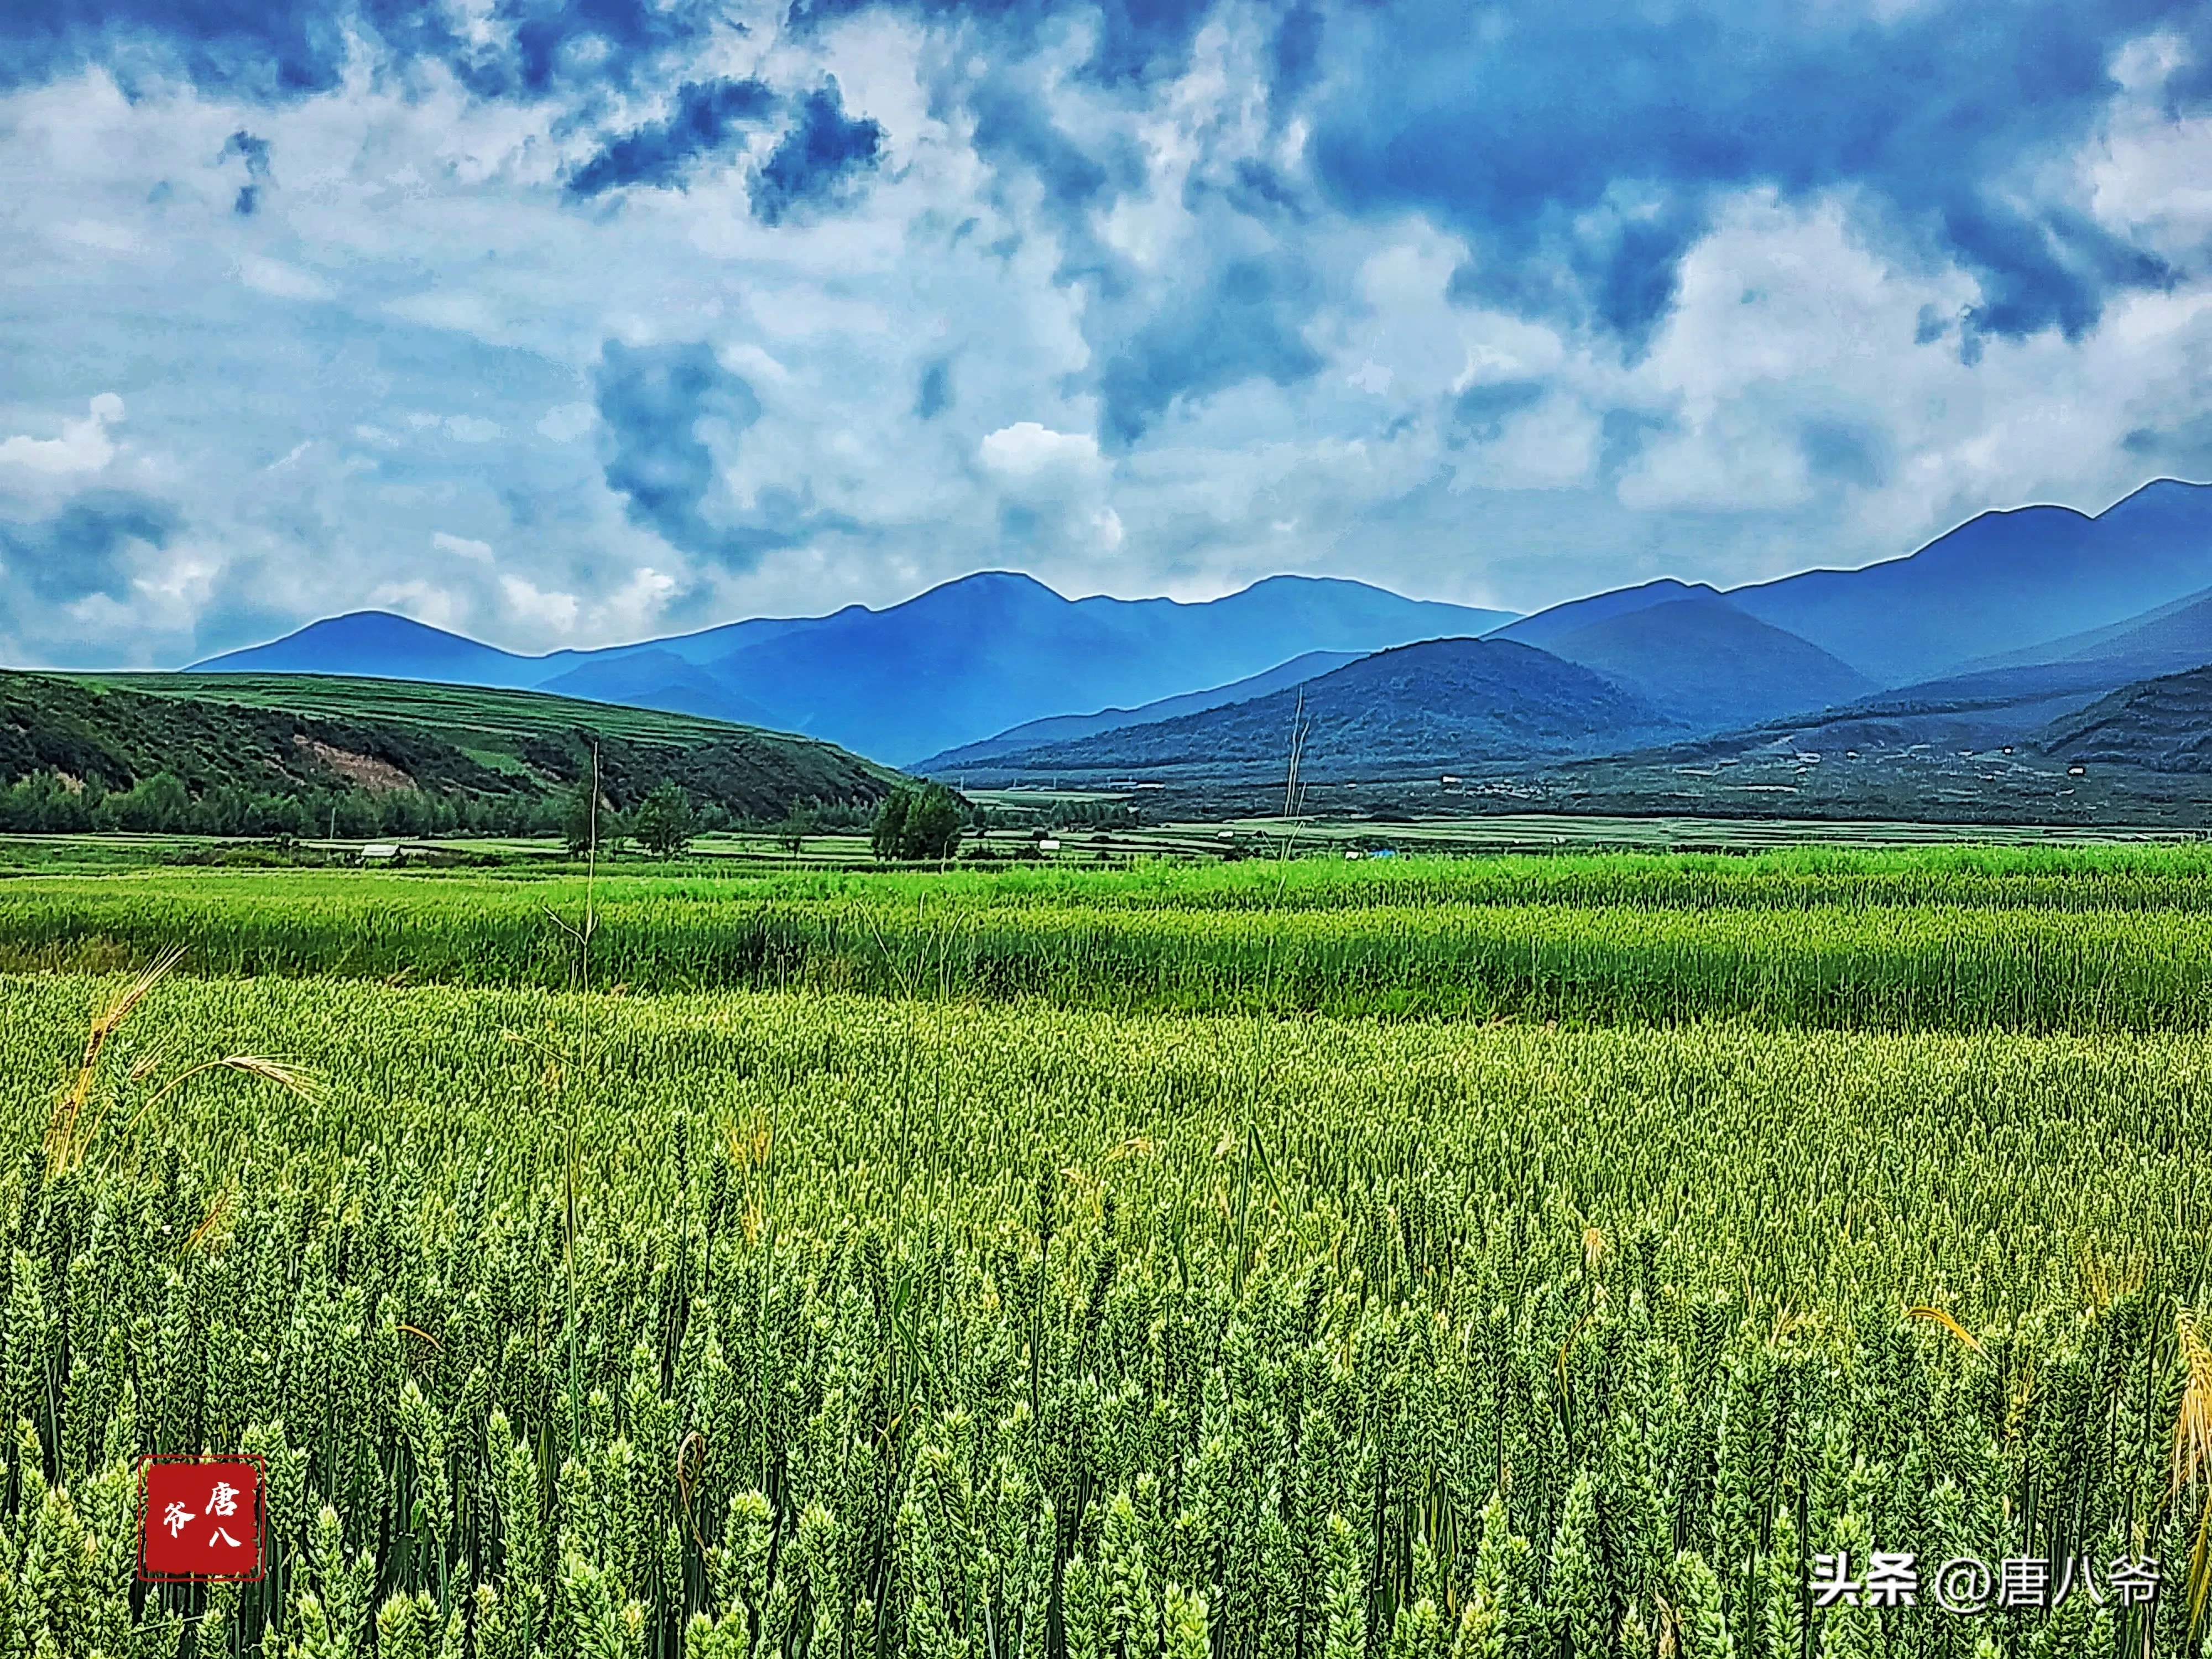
(278, 755)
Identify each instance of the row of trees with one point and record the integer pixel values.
(44, 803)
(913, 825)
(664, 822)
(667, 822)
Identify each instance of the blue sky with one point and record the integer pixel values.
(560, 322)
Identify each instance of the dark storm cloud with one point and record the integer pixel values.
(656, 406)
(1843, 452)
(652, 400)
(1013, 123)
(281, 49)
(1580, 147)
(823, 150)
(82, 550)
(1480, 412)
(255, 153)
(706, 116)
(1296, 50)
(266, 48)
(1240, 325)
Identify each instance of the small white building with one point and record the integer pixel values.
(379, 852)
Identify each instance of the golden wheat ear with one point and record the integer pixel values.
(1937, 1317)
(62, 1143)
(294, 1079)
(2193, 1454)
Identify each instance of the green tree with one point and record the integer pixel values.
(798, 824)
(154, 805)
(583, 820)
(933, 823)
(665, 821)
(888, 840)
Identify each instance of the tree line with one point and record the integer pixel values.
(912, 825)
(162, 804)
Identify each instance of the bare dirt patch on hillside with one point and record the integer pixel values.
(366, 770)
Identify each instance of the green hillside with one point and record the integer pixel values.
(1441, 706)
(472, 717)
(258, 754)
(2162, 725)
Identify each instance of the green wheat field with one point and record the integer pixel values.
(1506, 1258)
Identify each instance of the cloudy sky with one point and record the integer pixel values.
(562, 322)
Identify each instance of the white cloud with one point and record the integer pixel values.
(1371, 376)
(103, 235)
(1551, 444)
(83, 447)
(1059, 483)
(566, 423)
(424, 601)
(555, 613)
(1027, 453)
(282, 282)
(461, 547)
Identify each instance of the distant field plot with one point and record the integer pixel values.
(2013, 939)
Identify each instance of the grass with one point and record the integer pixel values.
(2026, 940)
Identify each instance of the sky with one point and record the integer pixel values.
(568, 322)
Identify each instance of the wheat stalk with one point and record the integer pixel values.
(1937, 1317)
(63, 1144)
(2192, 1455)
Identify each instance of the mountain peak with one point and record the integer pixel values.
(2159, 494)
(985, 581)
(1561, 620)
(381, 625)
(379, 644)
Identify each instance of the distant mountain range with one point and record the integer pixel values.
(961, 662)
(1992, 634)
(2001, 582)
(1984, 637)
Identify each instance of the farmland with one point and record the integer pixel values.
(2041, 939)
(1521, 1257)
